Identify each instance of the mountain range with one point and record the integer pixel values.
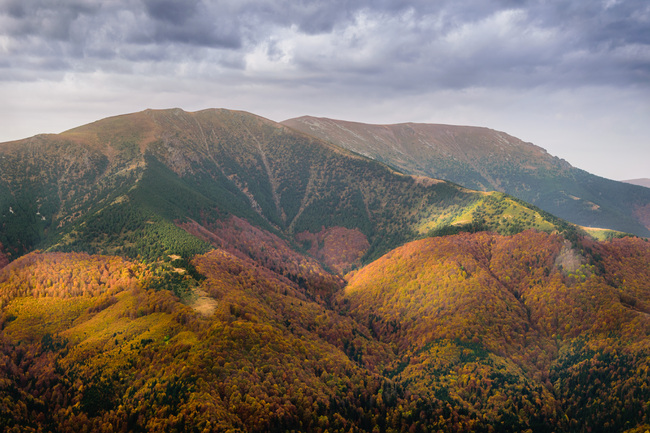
(641, 182)
(488, 160)
(217, 271)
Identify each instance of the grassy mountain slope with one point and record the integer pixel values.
(123, 185)
(484, 159)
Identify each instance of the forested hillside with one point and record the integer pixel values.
(469, 332)
(216, 271)
(528, 329)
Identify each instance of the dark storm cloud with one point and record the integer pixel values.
(191, 23)
(594, 23)
(424, 44)
(400, 45)
(174, 12)
(43, 19)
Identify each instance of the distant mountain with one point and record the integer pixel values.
(641, 182)
(217, 271)
(489, 160)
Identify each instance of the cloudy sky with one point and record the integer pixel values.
(571, 76)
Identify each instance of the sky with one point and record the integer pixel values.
(570, 76)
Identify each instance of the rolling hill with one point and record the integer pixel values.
(217, 271)
(523, 324)
(467, 332)
(489, 160)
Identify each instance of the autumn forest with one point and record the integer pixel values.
(218, 272)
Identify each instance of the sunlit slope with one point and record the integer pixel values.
(524, 323)
(86, 343)
(469, 332)
(485, 159)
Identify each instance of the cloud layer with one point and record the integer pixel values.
(379, 51)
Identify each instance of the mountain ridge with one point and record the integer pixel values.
(215, 163)
(486, 159)
(641, 182)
